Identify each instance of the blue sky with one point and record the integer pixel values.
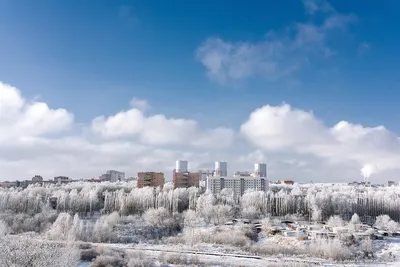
(93, 56)
(217, 63)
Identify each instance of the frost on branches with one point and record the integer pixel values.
(18, 251)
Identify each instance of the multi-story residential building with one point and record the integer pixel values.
(37, 179)
(392, 183)
(186, 179)
(61, 179)
(153, 179)
(204, 174)
(105, 177)
(242, 174)
(113, 176)
(238, 184)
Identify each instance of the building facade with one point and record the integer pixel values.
(60, 179)
(238, 185)
(221, 168)
(242, 174)
(37, 179)
(153, 179)
(186, 179)
(113, 176)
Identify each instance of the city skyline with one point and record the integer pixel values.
(311, 91)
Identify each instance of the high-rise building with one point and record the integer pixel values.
(260, 170)
(153, 179)
(113, 176)
(181, 166)
(186, 179)
(221, 168)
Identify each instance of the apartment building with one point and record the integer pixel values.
(237, 184)
(186, 179)
(61, 179)
(153, 179)
(113, 176)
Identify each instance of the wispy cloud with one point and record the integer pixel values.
(279, 54)
(363, 48)
(314, 6)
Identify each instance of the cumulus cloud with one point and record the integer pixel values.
(278, 54)
(35, 139)
(160, 130)
(20, 118)
(283, 128)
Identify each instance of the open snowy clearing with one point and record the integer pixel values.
(212, 258)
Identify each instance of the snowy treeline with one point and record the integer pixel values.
(315, 201)
(320, 202)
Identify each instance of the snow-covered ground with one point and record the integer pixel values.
(216, 255)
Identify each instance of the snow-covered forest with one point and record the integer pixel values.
(82, 217)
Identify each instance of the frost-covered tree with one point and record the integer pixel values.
(157, 216)
(221, 214)
(335, 221)
(190, 221)
(4, 229)
(204, 207)
(367, 248)
(253, 204)
(355, 219)
(27, 252)
(384, 222)
(332, 249)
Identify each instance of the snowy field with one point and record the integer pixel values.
(119, 225)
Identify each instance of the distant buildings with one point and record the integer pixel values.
(186, 179)
(153, 179)
(392, 183)
(113, 176)
(288, 182)
(60, 179)
(37, 179)
(182, 178)
(242, 174)
(238, 183)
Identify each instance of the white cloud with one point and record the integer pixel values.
(20, 118)
(141, 104)
(161, 131)
(277, 55)
(314, 6)
(35, 139)
(282, 128)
